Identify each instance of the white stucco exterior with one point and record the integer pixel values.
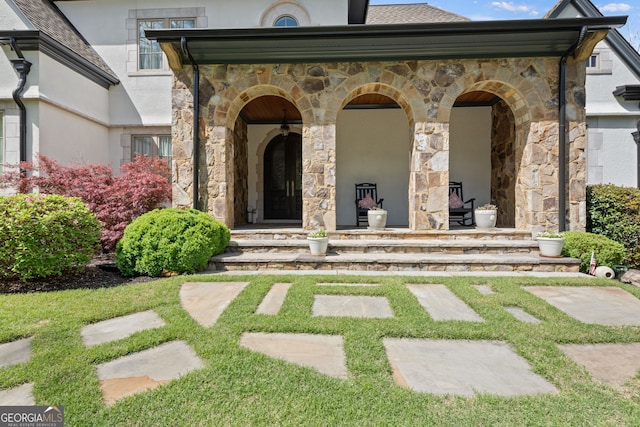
(611, 149)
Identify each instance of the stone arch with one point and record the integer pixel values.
(228, 202)
(383, 89)
(525, 101)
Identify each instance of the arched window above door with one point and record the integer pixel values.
(285, 13)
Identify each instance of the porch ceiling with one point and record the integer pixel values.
(473, 39)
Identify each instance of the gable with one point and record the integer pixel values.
(620, 45)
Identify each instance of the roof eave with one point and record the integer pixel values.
(33, 40)
(474, 39)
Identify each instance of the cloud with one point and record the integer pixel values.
(511, 7)
(615, 7)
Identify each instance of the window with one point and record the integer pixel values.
(592, 62)
(286, 21)
(153, 146)
(149, 52)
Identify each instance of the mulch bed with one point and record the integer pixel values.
(100, 273)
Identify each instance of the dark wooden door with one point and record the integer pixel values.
(283, 178)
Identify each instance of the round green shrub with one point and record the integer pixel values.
(580, 244)
(170, 240)
(614, 212)
(45, 235)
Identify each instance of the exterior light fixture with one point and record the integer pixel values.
(284, 127)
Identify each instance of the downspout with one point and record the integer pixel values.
(196, 123)
(636, 138)
(563, 136)
(22, 67)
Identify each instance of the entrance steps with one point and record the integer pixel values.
(389, 250)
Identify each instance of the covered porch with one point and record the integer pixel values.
(467, 104)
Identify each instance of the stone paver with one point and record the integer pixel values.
(594, 305)
(272, 302)
(18, 396)
(351, 306)
(205, 301)
(146, 370)
(612, 364)
(522, 315)
(442, 304)
(324, 353)
(120, 327)
(484, 289)
(14, 352)
(349, 284)
(463, 368)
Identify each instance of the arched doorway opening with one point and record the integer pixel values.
(482, 152)
(373, 144)
(268, 161)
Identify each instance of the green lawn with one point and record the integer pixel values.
(238, 387)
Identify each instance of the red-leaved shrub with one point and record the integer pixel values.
(116, 200)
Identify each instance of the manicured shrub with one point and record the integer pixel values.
(43, 236)
(614, 212)
(116, 200)
(170, 240)
(580, 245)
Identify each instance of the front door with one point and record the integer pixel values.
(283, 178)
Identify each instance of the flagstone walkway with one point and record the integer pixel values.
(456, 367)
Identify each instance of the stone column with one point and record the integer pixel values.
(319, 177)
(429, 177)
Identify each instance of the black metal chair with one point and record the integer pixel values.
(464, 215)
(362, 190)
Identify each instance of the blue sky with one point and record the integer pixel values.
(484, 10)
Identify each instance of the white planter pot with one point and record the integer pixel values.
(318, 245)
(377, 219)
(550, 246)
(486, 218)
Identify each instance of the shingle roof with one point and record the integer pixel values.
(409, 14)
(49, 20)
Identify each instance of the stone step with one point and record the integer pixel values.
(386, 234)
(395, 246)
(392, 262)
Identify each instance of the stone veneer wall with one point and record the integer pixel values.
(241, 172)
(503, 163)
(425, 90)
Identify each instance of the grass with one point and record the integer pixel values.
(239, 387)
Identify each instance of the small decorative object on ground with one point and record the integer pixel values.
(486, 216)
(318, 242)
(550, 243)
(605, 272)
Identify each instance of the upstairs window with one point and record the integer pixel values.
(149, 52)
(592, 61)
(286, 21)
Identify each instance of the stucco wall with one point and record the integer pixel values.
(373, 146)
(470, 152)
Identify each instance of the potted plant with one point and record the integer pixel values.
(486, 216)
(376, 216)
(318, 242)
(550, 243)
